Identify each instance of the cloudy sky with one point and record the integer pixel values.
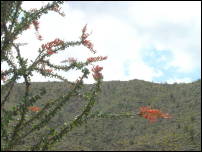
(151, 41)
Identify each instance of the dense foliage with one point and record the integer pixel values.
(181, 101)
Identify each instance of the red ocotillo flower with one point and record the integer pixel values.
(152, 114)
(84, 40)
(94, 59)
(34, 108)
(97, 75)
(48, 46)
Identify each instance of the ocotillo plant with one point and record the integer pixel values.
(15, 125)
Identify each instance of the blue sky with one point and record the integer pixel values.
(152, 41)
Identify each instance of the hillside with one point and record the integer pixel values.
(182, 101)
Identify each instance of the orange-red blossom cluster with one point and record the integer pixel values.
(84, 40)
(94, 59)
(51, 44)
(34, 108)
(152, 114)
(97, 75)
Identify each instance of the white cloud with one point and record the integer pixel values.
(153, 12)
(139, 70)
(173, 26)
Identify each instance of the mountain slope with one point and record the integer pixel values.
(182, 101)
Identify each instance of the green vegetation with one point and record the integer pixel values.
(181, 101)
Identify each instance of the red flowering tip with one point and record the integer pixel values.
(152, 114)
(84, 40)
(94, 59)
(89, 45)
(97, 75)
(97, 69)
(84, 29)
(51, 44)
(34, 108)
(84, 36)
